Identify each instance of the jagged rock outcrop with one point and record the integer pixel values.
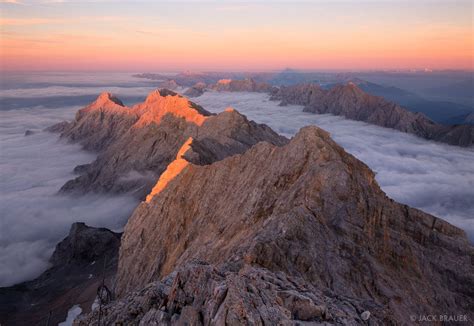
(196, 90)
(58, 127)
(136, 144)
(241, 85)
(76, 272)
(170, 84)
(201, 294)
(353, 103)
(305, 210)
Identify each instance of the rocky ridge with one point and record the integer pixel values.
(136, 144)
(196, 90)
(353, 103)
(243, 85)
(286, 234)
(76, 272)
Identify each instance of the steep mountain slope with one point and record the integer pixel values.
(136, 144)
(196, 90)
(76, 272)
(305, 221)
(442, 112)
(353, 103)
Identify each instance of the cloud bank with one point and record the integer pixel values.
(434, 177)
(72, 91)
(33, 217)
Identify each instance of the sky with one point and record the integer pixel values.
(170, 36)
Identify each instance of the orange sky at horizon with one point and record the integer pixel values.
(123, 40)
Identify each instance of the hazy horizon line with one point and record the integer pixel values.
(210, 70)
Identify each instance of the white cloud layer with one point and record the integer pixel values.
(434, 177)
(33, 217)
(72, 91)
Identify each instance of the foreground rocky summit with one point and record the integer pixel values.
(353, 103)
(76, 272)
(136, 144)
(284, 234)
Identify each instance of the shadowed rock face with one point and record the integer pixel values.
(169, 84)
(353, 103)
(196, 90)
(307, 210)
(76, 272)
(136, 144)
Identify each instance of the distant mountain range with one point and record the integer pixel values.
(452, 107)
(442, 112)
(137, 143)
(463, 90)
(350, 101)
(241, 226)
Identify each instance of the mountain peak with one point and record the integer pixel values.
(161, 102)
(353, 86)
(159, 93)
(84, 243)
(272, 201)
(107, 99)
(310, 135)
(224, 81)
(348, 91)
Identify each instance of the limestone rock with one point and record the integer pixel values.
(309, 210)
(136, 144)
(58, 127)
(169, 84)
(76, 272)
(353, 103)
(201, 294)
(196, 90)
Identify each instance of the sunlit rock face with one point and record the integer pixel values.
(353, 103)
(306, 210)
(137, 143)
(173, 169)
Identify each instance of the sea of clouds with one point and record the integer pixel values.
(33, 216)
(434, 177)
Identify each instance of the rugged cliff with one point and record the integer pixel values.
(353, 103)
(136, 144)
(284, 234)
(76, 272)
